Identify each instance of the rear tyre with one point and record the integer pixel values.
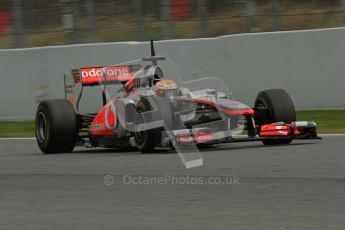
(56, 126)
(279, 107)
(145, 140)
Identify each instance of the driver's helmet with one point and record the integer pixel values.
(166, 88)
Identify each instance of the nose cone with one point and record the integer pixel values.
(232, 107)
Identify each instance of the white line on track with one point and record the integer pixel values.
(332, 135)
(320, 135)
(33, 138)
(16, 138)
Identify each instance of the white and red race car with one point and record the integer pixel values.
(146, 104)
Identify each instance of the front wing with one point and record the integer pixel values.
(280, 130)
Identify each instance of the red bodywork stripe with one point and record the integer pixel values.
(187, 138)
(248, 111)
(276, 129)
(98, 125)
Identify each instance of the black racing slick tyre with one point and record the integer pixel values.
(279, 107)
(56, 126)
(144, 140)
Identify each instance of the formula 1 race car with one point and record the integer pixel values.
(147, 105)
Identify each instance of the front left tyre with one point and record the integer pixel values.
(280, 108)
(56, 126)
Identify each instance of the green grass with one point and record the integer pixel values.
(328, 121)
(17, 129)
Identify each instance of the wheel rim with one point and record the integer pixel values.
(41, 131)
(139, 136)
(261, 104)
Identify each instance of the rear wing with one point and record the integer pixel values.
(94, 76)
(99, 75)
(91, 76)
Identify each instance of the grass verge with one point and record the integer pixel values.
(328, 121)
(17, 129)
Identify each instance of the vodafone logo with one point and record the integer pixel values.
(94, 75)
(100, 72)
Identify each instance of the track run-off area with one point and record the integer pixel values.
(240, 186)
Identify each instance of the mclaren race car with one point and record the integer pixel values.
(147, 105)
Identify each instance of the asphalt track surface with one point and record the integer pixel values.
(300, 186)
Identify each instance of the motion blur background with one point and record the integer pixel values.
(32, 23)
(309, 64)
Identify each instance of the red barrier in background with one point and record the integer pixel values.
(4, 22)
(179, 9)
